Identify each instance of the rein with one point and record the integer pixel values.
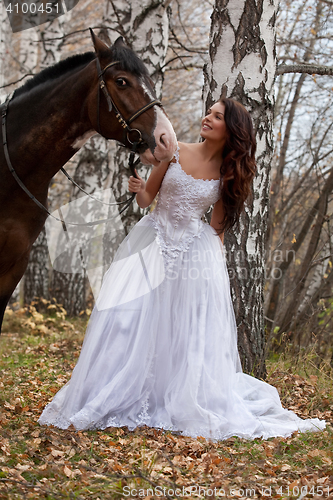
(134, 142)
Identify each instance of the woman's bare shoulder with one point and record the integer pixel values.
(188, 148)
(184, 151)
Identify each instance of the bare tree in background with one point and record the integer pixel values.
(299, 288)
(187, 53)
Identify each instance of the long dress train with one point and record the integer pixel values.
(161, 344)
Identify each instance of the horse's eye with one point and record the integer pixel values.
(121, 82)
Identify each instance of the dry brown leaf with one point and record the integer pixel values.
(122, 441)
(323, 480)
(314, 453)
(57, 453)
(8, 405)
(68, 472)
(23, 467)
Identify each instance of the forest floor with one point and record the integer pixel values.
(38, 351)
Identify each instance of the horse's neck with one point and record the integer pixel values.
(45, 123)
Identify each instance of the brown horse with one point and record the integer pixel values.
(47, 121)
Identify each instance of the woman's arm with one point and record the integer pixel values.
(217, 216)
(146, 191)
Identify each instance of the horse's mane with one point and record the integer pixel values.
(56, 70)
(128, 61)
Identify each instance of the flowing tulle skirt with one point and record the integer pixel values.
(161, 350)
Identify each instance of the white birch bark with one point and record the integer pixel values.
(5, 42)
(45, 42)
(242, 66)
(317, 279)
(100, 164)
(144, 27)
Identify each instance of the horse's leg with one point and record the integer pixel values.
(9, 281)
(3, 305)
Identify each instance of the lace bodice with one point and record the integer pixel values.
(182, 201)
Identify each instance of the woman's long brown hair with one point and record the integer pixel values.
(238, 166)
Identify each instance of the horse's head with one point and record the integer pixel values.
(126, 109)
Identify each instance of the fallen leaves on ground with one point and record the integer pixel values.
(44, 462)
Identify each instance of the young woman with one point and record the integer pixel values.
(161, 345)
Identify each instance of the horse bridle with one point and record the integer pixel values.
(128, 131)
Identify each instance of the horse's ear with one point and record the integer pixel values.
(98, 44)
(119, 42)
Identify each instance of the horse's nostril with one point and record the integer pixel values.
(162, 141)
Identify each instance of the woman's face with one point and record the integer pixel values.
(213, 126)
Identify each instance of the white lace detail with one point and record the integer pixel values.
(143, 417)
(51, 416)
(182, 201)
(83, 421)
(171, 252)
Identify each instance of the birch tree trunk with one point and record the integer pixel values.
(242, 66)
(144, 27)
(47, 41)
(89, 167)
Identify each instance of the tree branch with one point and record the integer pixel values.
(17, 81)
(311, 69)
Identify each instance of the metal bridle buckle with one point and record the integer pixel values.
(135, 130)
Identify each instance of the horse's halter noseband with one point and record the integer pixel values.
(129, 133)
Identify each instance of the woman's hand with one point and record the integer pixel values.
(136, 184)
(146, 191)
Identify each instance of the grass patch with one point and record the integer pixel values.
(38, 351)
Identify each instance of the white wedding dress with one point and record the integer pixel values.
(161, 345)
